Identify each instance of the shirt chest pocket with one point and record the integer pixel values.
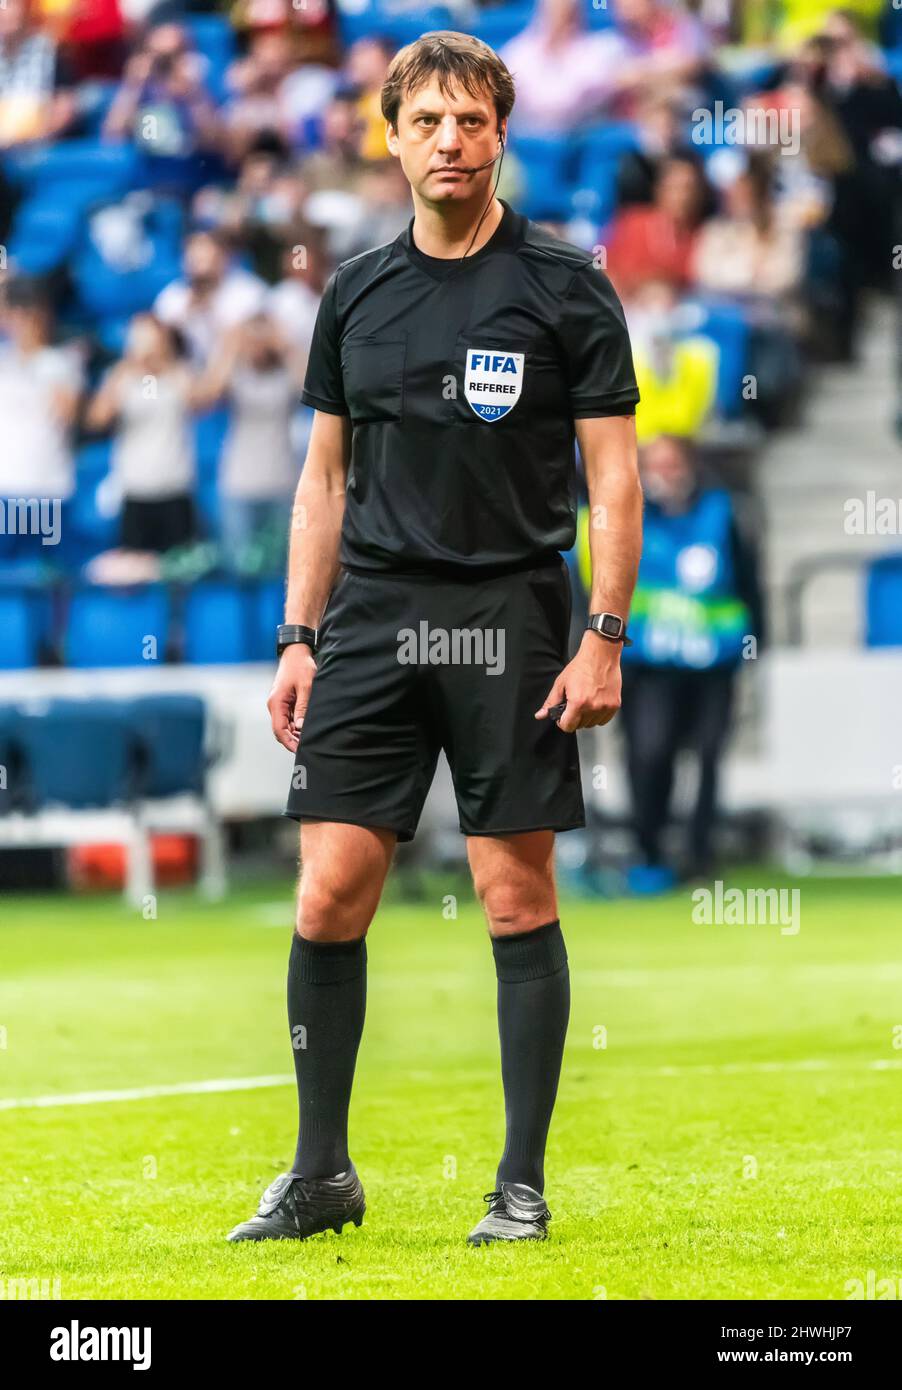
(373, 376)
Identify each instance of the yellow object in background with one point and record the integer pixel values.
(372, 143)
(676, 397)
(802, 18)
(54, 15)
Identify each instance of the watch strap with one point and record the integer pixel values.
(610, 626)
(293, 634)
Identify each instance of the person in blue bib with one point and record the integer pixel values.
(696, 615)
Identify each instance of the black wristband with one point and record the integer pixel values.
(292, 634)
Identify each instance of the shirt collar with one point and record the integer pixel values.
(507, 235)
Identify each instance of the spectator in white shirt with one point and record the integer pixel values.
(294, 302)
(40, 386)
(213, 296)
(564, 74)
(148, 398)
(260, 377)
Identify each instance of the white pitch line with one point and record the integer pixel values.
(183, 1088)
(259, 1083)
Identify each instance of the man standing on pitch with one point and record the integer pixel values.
(450, 373)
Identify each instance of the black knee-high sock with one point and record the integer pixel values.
(326, 1007)
(533, 1011)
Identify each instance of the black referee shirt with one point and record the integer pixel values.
(462, 381)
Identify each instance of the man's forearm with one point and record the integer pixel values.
(313, 550)
(615, 545)
(615, 521)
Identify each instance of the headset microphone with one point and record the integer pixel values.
(498, 156)
(477, 169)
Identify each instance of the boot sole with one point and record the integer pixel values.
(337, 1226)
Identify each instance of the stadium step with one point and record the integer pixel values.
(806, 478)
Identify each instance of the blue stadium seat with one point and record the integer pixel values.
(93, 164)
(883, 603)
(608, 141)
(209, 436)
(214, 37)
(218, 627)
(8, 758)
(268, 610)
(112, 332)
(111, 626)
(76, 753)
(44, 232)
(550, 169)
(90, 531)
(170, 730)
(894, 57)
(496, 27)
(23, 624)
(106, 291)
(598, 157)
(727, 327)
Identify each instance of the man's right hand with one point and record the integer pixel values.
(290, 694)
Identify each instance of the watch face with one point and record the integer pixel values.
(611, 625)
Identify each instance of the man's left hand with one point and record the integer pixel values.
(590, 685)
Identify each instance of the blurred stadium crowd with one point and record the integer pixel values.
(178, 180)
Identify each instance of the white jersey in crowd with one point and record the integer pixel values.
(238, 297)
(294, 306)
(36, 455)
(153, 452)
(258, 459)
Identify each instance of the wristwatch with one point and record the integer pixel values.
(609, 626)
(289, 634)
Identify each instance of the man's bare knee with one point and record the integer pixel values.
(343, 870)
(516, 907)
(326, 915)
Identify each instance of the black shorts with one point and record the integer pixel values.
(157, 523)
(408, 666)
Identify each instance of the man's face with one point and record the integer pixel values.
(271, 53)
(677, 192)
(438, 135)
(667, 472)
(204, 261)
(367, 63)
(342, 125)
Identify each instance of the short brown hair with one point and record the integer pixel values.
(458, 60)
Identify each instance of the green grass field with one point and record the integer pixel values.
(736, 1137)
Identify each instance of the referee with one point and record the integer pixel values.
(450, 372)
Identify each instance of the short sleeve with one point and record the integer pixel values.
(594, 341)
(323, 386)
